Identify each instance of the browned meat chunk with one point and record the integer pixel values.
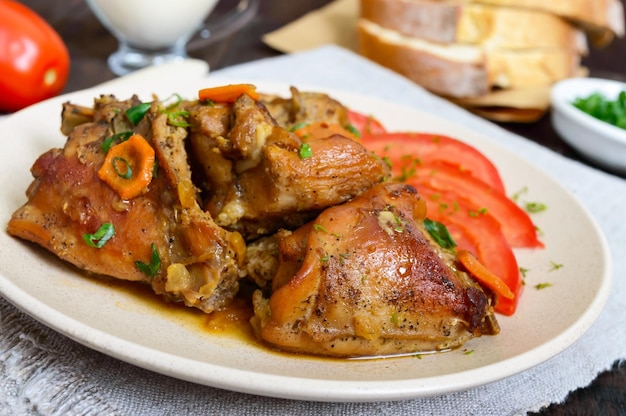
(364, 278)
(199, 261)
(306, 107)
(342, 261)
(257, 178)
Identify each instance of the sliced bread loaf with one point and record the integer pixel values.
(458, 70)
(476, 24)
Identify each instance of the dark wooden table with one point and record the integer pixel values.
(90, 44)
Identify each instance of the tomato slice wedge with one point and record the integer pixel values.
(365, 124)
(516, 225)
(406, 151)
(480, 234)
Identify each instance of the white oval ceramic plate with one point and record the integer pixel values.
(126, 326)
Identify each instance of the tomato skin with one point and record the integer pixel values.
(516, 225)
(34, 61)
(433, 149)
(365, 124)
(463, 190)
(478, 233)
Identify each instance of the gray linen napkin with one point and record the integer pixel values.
(44, 373)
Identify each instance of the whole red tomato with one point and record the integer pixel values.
(34, 61)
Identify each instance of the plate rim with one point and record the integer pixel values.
(372, 390)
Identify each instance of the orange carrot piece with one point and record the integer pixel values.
(128, 166)
(484, 275)
(228, 93)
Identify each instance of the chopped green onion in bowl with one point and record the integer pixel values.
(604, 109)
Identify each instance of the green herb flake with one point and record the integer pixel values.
(151, 269)
(178, 118)
(101, 236)
(115, 139)
(305, 151)
(394, 318)
(177, 100)
(479, 211)
(468, 352)
(523, 271)
(125, 172)
(399, 227)
(317, 228)
(387, 161)
(298, 126)
(519, 193)
(544, 285)
(353, 130)
(439, 233)
(534, 207)
(136, 113)
(555, 266)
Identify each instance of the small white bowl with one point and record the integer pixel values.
(601, 142)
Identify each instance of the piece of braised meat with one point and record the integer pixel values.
(365, 278)
(259, 176)
(304, 107)
(192, 260)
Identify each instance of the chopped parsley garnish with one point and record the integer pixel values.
(555, 266)
(353, 130)
(517, 194)
(318, 228)
(151, 269)
(305, 151)
(535, 207)
(136, 113)
(177, 100)
(101, 236)
(298, 126)
(544, 285)
(178, 118)
(439, 233)
(115, 139)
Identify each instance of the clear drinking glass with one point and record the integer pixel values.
(152, 32)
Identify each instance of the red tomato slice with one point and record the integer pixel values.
(516, 225)
(365, 124)
(407, 151)
(480, 234)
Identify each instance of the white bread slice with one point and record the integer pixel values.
(501, 27)
(603, 19)
(461, 70)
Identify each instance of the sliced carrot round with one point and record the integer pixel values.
(128, 166)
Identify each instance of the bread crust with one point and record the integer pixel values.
(463, 71)
(595, 15)
(442, 76)
(445, 22)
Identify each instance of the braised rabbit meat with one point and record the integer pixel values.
(192, 196)
(364, 278)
